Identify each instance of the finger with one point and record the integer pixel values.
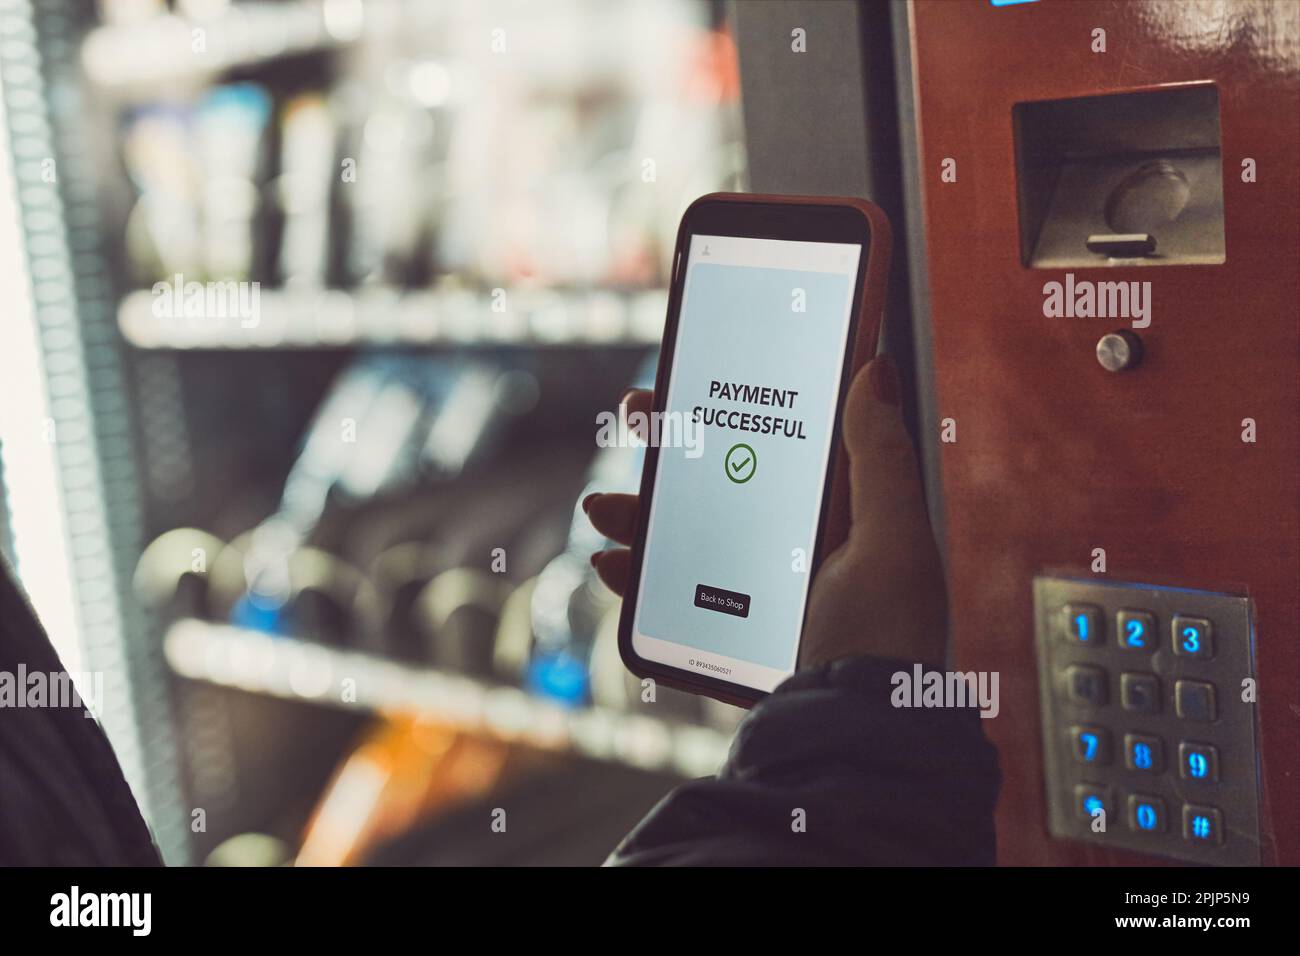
(613, 515)
(638, 400)
(613, 567)
(886, 492)
(635, 407)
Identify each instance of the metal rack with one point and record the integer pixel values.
(297, 670)
(111, 379)
(336, 318)
(88, 417)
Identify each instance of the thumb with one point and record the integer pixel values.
(886, 494)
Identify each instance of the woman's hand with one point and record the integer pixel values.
(882, 592)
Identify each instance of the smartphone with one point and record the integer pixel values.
(775, 303)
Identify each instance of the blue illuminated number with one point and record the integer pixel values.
(1093, 805)
(1135, 632)
(1089, 745)
(1081, 626)
(1201, 827)
(1197, 765)
(1142, 756)
(1146, 816)
(1191, 640)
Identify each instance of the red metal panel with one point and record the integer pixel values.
(1055, 456)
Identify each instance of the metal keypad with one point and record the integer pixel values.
(1143, 718)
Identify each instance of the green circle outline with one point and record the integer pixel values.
(726, 462)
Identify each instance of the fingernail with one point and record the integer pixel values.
(627, 393)
(594, 557)
(884, 380)
(586, 502)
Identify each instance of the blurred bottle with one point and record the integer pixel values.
(390, 163)
(129, 11)
(251, 849)
(162, 229)
(230, 134)
(569, 601)
(406, 769)
(304, 188)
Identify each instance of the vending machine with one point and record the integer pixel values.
(1101, 210)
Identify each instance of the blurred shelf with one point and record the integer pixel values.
(338, 319)
(151, 54)
(298, 670)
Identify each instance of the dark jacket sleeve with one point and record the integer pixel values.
(826, 771)
(63, 798)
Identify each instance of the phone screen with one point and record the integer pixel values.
(744, 446)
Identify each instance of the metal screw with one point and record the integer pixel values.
(1119, 351)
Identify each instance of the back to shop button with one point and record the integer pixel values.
(720, 599)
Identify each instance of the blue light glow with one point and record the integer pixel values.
(1135, 634)
(1197, 765)
(1201, 828)
(1147, 818)
(559, 676)
(1089, 745)
(258, 616)
(1142, 756)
